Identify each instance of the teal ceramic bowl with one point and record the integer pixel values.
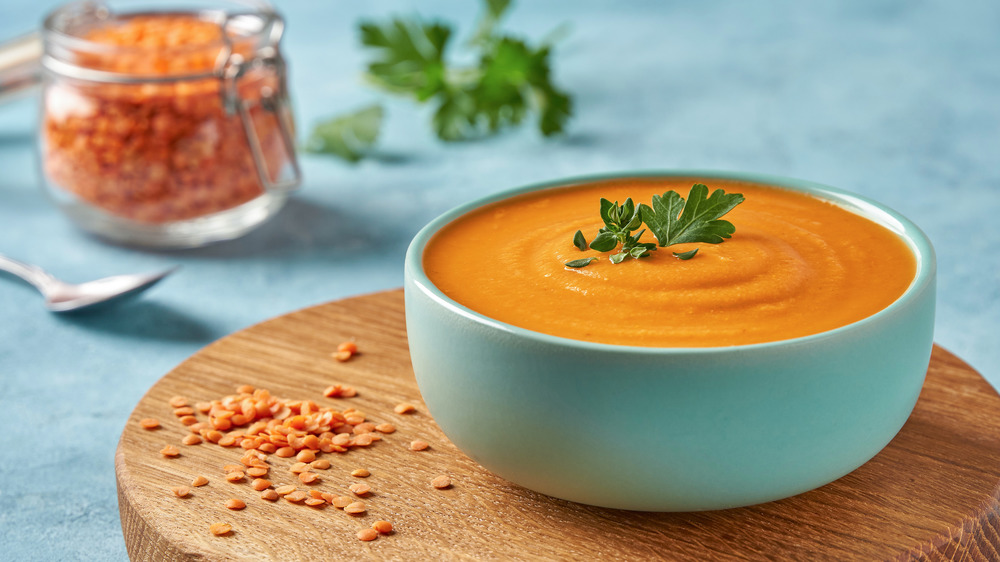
(671, 429)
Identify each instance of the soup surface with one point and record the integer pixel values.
(797, 265)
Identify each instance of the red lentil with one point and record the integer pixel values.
(149, 423)
(340, 502)
(441, 482)
(170, 451)
(260, 484)
(418, 445)
(360, 489)
(219, 529)
(355, 508)
(383, 527)
(361, 473)
(181, 491)
(269, 495)
(404, 408)
(191, 440)
(367, 534)
(235, 504)
(199, 481)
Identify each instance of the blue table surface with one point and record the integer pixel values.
(896, 100)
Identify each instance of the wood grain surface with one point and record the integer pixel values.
(930, 495)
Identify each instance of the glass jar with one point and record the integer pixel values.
(166, 128)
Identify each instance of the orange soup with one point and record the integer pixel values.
(797, 265)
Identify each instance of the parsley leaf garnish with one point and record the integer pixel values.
(410, 56)
(619, 223)
(349, 136)
(698, 220)
(509, 80)
(671, 219)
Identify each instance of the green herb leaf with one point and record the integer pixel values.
(579, 241)
(348, 136)
(489, 21)
(670, 219)
(410, 56)
(511, 79)
(685, 255)
(605, 241)
(698, 220)
(582, 262)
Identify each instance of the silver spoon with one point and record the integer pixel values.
(66, 297)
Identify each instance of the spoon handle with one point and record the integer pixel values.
(34, 275)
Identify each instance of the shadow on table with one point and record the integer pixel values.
(144, 319)
(303, 227)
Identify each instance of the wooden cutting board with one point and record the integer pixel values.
(931, 494)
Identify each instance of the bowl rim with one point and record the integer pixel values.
(905, 229)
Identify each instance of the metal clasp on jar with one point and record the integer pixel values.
(230, 68)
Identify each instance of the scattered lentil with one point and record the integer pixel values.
(269, 495)
(367, 534)
(296, 496)
(355, 508)
(191, 440)
(236, 504)
(199, 481)
(441, 482)
(178, 401)
(234, 477)
(360, 473)
(321, 464)
(284, 490)
(360, 489)
(418, 445)
(308, 477)
(385, 428)
(404, 408)
(149, 423)
(315, 502)
(181, 491)
(340, 502)
(219, 529)
(260, 484)
(170, 451)
(383, 527)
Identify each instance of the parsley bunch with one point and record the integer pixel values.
(510, 81)
(671, 219)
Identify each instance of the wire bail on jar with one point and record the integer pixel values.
(230, 67)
